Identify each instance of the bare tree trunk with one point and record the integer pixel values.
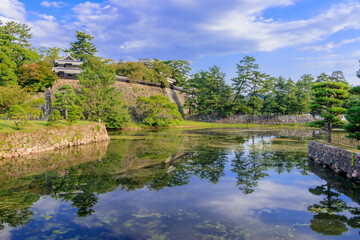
(66, 113)
(329, 132)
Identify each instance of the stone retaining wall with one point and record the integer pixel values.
(20, 143)
(263, 120)
(132, 91)
(341, 161)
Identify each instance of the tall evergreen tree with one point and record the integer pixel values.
(212, 94)
(98, 97)
(258, 87)
(329, 96)
(15, 50)
(180, 70)
(323, 77)
(245, 70)
(64, 99)
(82, 48)
(353, 116)
(303, 93)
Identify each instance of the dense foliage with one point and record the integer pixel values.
(157, 110)
(328, 98)
(97, 96)
(25, 70)
(353, 116)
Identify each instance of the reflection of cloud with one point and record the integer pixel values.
(49, 206)
(5, 233)
(267, 195)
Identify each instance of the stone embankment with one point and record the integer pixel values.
(19, 143)
(341, 161)
(263, 120)
(132, 91)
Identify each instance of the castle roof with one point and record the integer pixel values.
(68, 59)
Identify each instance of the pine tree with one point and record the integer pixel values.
(329, 96)
(353, 116)
(83, 48)
(65, 99)
(98, 98)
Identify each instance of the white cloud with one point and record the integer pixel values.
(270, 35)
(329, 47)
(52, 4)
(47, 17)
(12, 10)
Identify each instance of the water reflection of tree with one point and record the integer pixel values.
(206, 163)
(248, 169)
(252, 166)
(327, 218)
(15, 200)
(156, 163)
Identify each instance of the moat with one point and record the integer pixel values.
(179, 184)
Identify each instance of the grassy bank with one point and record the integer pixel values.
(9, 125)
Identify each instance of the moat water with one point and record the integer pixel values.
(179, 184)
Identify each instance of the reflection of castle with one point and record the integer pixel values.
(67, 67)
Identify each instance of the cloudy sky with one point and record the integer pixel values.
(287, 37)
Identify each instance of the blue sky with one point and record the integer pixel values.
(287, 37)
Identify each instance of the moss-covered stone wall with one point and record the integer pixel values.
(132, 91)
(340, 161)
(19, 143)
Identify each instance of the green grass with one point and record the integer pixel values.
(9, 125)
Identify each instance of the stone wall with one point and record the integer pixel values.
(57, 160)
(341, 161)
(21, 143)
(263, 120)
(132, 91)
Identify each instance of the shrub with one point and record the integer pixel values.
(18, 114)
(157, 110)
(74, 114)
(54, 118)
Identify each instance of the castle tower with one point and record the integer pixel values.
(67, 67)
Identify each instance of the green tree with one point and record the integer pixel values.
(157, 110)
(213, 96)
(245, 71)
(323, 77)
(162, 70)
(49, 55)
(18, 114)
(98, 98)
(15, 50)
(36, 76)
(180, 70)
(303, 93)
(353, 116)
(33, 107)
(65, 98)
(54, 118)
(74, 114)
(338, 76)
(11, 95)
(136, 71)
(328, 97)
(82, 48)
(258, 87)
